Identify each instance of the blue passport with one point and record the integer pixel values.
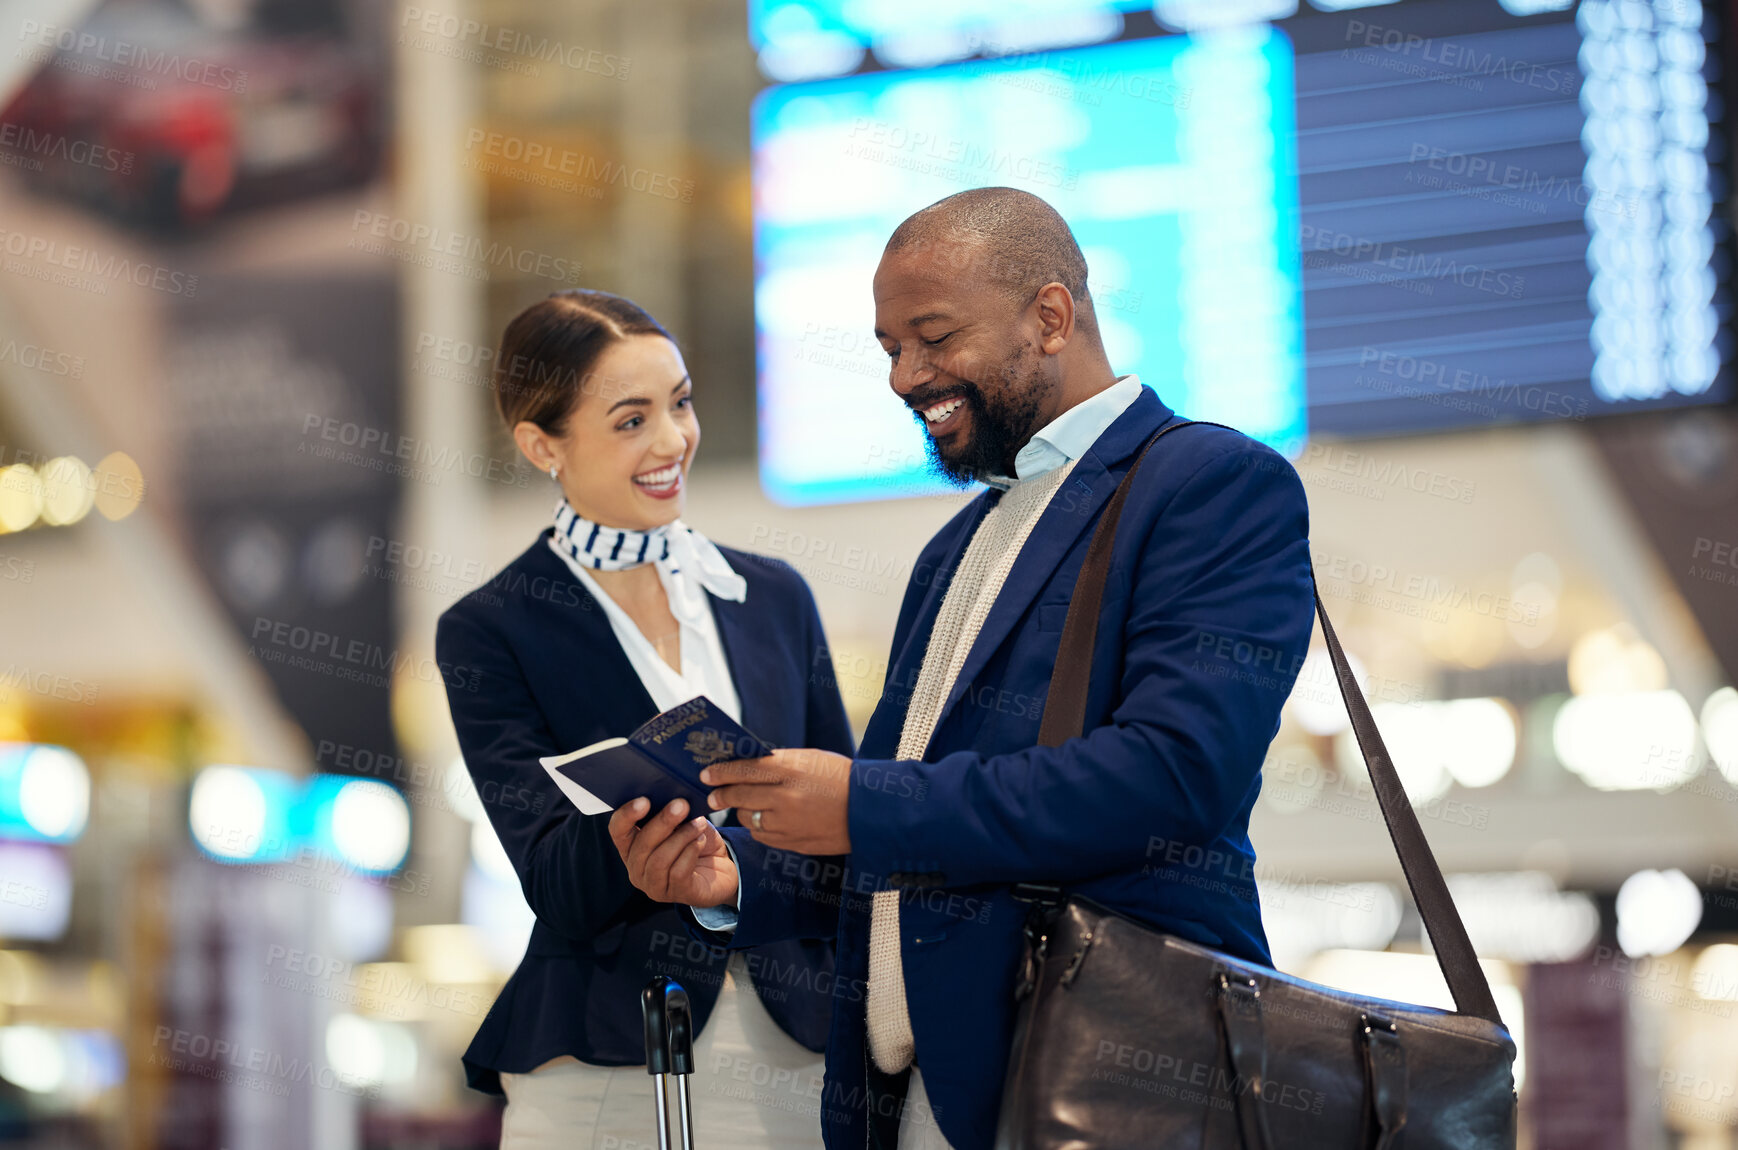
(661, 761)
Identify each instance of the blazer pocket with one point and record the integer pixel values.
(1051, 616)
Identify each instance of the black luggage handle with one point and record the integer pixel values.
(669, 1027)
(669, 1050)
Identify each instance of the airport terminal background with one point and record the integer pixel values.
(1466, 262)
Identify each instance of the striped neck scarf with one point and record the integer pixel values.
(692, 562)
(608, 548)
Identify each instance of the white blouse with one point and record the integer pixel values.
(705, 670)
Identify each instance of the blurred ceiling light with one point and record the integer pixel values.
(67, 494)
(370, 825)
(1464, 637)
(75, 1064)
(32, 1057)
(1410, 733)
(45, 792)
(1615, 659)
(1523, 917)
(23, 974)
(1194, 15)
(1292, 778)
(1348, 5)
(361, 919)
(368, 1052)
(491, 901)
(419, 711)
(496, 909)
(250, 815)
(447, 953)
(489, 855)
(1305, 918)
(37, 900)
(1315, 700)
(1720, 731)
(461, 792)
(20, 497)
(93, 1062)
(1422, 774)
(1396, 976)
(1478, 737)
(227, 812)
(1438, 743)
(118, 485)
(1630, 741)
(1536, 619)
(1657, 912)
(1537, 567)
(401, 994)
(1715, 975)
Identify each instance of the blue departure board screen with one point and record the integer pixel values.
(1390, 218)
(879, 21)
(1508, 220)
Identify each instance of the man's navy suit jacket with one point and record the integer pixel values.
(533, 669)
(1206, 616)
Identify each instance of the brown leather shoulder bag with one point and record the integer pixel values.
(1130, 1038)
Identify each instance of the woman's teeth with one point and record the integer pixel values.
(942, 410)
(663, 477)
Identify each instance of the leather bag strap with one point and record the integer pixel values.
(1385, 1067)
(1065, 718)
(1246, 1051)
(1065, 703)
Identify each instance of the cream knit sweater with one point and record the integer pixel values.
(983, 569)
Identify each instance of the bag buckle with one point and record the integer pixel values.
(1043, 902)
(1241, 985)
(1073, 968)
(1037, 893)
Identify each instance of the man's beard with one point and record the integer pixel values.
(1002, 423)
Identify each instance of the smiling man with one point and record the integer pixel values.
(981, 303)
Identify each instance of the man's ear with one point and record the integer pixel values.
(1055, 306)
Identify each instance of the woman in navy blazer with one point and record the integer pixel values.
(614, 614)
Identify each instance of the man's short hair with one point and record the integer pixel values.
(1009, 237)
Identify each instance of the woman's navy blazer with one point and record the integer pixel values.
(535, 670)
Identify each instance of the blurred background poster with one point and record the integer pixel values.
(1467, 263)
(281, 391)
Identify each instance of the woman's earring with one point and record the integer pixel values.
(555, 471)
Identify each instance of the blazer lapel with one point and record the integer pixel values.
(1071, 510)
(596, 648)
(746, 646)
(888, 721)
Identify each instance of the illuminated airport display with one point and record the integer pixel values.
(1315, 226)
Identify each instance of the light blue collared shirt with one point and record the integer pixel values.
(1071, 434)
(1068, 436)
